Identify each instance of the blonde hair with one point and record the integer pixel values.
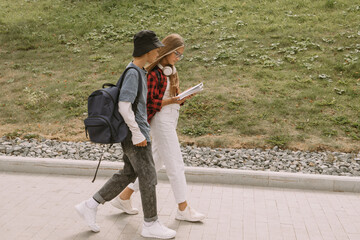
(172, 42)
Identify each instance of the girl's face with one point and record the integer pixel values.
(175, 56)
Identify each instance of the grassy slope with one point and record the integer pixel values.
(276, 72)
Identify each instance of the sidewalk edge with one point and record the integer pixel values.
(193, 174)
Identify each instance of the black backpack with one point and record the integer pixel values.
(104, 123)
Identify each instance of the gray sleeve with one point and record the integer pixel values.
(129, 87)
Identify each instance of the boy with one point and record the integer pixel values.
(138, 161)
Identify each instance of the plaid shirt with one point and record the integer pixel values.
(156, 90)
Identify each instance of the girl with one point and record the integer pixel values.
(163, 113)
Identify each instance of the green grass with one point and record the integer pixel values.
(283, 73)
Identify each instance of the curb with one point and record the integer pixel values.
(193, 174)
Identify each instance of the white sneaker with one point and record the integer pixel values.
(157, 230)
(124, 205)
(189, 215)
(89, 215)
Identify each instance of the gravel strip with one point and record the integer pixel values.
(275, 159)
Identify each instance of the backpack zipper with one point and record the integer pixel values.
(107, 123)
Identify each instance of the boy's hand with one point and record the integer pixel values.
(142, 144)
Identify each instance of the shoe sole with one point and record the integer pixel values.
(152, 236)
(77, 208)
(183, 219)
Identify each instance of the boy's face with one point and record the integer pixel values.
(152, 55)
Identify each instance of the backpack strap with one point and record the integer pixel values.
(97, 168)
(120, 82)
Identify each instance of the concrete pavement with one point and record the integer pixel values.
(41, 206)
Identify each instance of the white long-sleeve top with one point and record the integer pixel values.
(125, 109)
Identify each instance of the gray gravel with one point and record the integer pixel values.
(275, 159)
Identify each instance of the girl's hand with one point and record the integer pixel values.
(176, 100)
(184, 99)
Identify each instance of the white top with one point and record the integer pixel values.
(167, 96)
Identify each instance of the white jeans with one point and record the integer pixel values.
(166, 150)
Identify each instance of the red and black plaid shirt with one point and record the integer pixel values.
(156, 90)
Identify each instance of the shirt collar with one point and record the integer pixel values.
(131, 64)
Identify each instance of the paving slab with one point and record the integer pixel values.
(41, 206)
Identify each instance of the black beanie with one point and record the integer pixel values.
(144, 42)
